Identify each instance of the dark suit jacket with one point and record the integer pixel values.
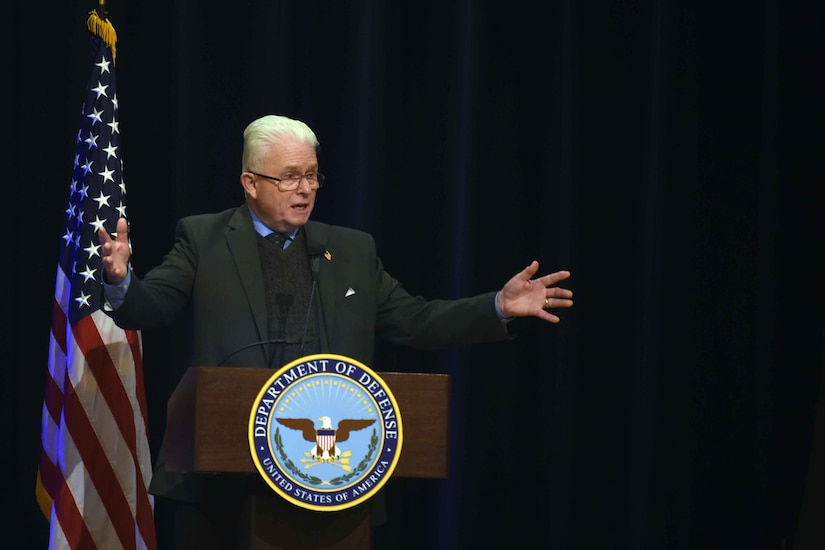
(213, 277)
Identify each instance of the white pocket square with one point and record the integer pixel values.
(349, 293)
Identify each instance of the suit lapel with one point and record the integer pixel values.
(242, 242)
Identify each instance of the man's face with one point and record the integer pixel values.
(283, 211)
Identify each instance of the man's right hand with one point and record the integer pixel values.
(115, 252)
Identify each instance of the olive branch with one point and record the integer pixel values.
(315, 480)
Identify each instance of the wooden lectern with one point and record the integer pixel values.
(206, 432)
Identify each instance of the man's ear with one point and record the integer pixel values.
(248, 184)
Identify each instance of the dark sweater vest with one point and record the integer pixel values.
(288, 284)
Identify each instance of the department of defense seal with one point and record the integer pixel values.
(325, 432)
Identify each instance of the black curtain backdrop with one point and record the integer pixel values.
(667, 153)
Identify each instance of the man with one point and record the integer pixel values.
(320, 289)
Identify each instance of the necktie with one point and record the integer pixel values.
(278, 239)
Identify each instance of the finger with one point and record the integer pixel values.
(122, 230)
(103, 236)
(549, 317)
(528, 272)
(553, 278)
(558, 292)
(554, 303)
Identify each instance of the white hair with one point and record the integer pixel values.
(263, 133)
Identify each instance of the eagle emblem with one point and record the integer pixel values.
(325, 438)
(335, 461)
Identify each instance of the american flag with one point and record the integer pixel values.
(95, 462)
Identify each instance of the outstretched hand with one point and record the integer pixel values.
(115, 252)
(523, 296)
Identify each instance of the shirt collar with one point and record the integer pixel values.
(262, 229)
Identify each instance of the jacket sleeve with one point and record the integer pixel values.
(430, 324)
(156, 299)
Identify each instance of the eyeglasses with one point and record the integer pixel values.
(290, 182)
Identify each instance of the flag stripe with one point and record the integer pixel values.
(70, 521)
(88, 441)
(73, 507)
(145, 512)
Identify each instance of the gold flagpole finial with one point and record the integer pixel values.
(99, 24)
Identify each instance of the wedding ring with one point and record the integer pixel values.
(546, 303)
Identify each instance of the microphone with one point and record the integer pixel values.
(255, 344)
(315, 267)
(315, 262)
(284, 303)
